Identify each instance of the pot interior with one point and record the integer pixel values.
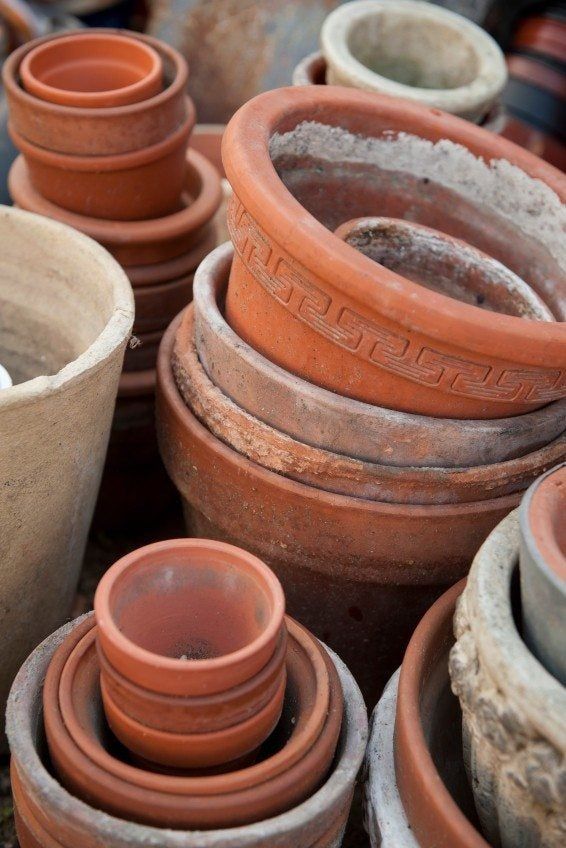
(413, 51)
(547, 513)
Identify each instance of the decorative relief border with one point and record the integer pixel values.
(290, 285)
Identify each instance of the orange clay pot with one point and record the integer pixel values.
(92, 70)
(156, 306)
(305, 300)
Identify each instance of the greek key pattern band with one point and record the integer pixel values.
(290, 286)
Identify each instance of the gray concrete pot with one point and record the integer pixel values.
(66, 312)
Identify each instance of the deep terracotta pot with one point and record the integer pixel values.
(156, 306)
(98, 131)
(93, 70)
(159, 273)
(299, 531)
(339, 424)
(308, 302)
(338, 473)
(128, 186)
(135, 243)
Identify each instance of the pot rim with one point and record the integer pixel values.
(248, 164)
(112, 335)
(157, 273)
(191, 676)
(538, 532)
(490, 76)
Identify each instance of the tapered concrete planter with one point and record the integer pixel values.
(66, 311)
(514, 711)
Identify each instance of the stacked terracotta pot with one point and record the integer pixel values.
(187, 703)
(102, 120)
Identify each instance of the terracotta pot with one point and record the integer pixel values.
(338, 473)
(299, 531)
(308, 303)
(156, 306)
(543, 570)
(536, 140)
(63, 337)
(159, 273)
(133, 186)
(105, 131)
(538, 73)
(141, 353)
(342, 425)
(513, 709)
(444, 264)
(543, 35)
(93, 70)
(207, 139)
(135, 243)
(415, 51)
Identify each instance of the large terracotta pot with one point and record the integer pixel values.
(323, 419)
(375, 587)
(308, 302)
(416, 51)
(513, 708)
(66, 313)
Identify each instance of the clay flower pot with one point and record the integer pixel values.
(5, 379)
(414, 51)
(139, 243)
(92, 70)
(307, 302)
(156, 306)
(543, 570)
(141, 353)
(157, 273)
(326, 420)
(98, 131)
(207, 139)
(513, 708)
(63, 339)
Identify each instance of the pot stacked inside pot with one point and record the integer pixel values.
(103, 122)
(188, 702)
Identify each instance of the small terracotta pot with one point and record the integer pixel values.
(105, 131)
(543, 35)
(207, 140)
(92, 70)
(338, 473)
(141, 353)
(535, 139)
(159, 273)
(326, 313)
(543, 570)
(339, 424)
(156, 306)
(538, 73)
(135, 243)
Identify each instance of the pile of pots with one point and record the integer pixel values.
(338, 402)
(103, 121)
(485, 767)
(187, 702)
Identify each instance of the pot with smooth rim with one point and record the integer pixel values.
(310, 304)
(323, 419)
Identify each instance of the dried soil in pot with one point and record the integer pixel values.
(335, 472)
(299, 531)
(305, 304)
(341, 425)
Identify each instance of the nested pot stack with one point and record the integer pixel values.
(360, 408)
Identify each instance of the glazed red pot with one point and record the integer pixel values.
(156, 306)
(305, 300)
(92, 70)
(138, 243)
(375, 587)
(105, 131)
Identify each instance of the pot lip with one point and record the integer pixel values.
(177, 408)
(486, 601)
(20, 718)
(112, 335)
(117, 233)
(78, 113)
(410, 746)
(247, 162)
(157, 273)
(538, 535)
(90, 99)
(205, 292)
(69, 162)
(125, 655)
(486, 85)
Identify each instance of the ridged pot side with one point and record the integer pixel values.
(65, 315)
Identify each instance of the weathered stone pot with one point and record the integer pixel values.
(338, 473)
(138, 243)
(513, 709)
(417, 51)
(95, 131)
(309, 303)
(543, 570)
(299, 531)
(66, 313)
(323, 419)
